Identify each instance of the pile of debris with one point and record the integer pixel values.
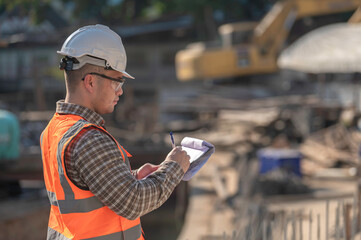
(330, 148)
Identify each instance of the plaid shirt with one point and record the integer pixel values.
(93, 162)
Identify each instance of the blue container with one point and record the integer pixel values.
(9, 136)
(272, 158)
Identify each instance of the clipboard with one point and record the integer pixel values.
(199, 152)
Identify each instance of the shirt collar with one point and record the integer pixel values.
(71, 108)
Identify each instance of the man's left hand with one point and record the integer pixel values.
(145, 170)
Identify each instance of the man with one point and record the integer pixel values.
(92, 191)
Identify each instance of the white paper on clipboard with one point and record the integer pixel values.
(199, 152)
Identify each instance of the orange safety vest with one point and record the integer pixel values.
(77, 213)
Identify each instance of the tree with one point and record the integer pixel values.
(34, 8)
(204, 12)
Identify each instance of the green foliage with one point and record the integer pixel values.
(84, 9)
(232, 8)
(129, 11)
(34, 8)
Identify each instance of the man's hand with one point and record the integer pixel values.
(145, 170)
(179, 156)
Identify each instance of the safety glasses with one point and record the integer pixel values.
(117, 83)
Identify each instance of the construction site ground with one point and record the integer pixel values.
(211, 216)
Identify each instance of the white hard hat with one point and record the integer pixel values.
(97, 45)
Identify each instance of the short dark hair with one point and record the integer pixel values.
(73, 77)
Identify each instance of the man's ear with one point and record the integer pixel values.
(89, 83)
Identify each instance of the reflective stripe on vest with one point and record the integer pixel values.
(126, 159)
(55, 235)
(131, 233)
(63, 181)
(75, 205)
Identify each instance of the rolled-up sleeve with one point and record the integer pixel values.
(99, 164)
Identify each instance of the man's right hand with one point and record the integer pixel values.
(180, 156)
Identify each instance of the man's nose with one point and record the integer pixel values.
(119, 92)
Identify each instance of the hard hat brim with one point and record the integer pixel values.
(82, 60)
(127, 74)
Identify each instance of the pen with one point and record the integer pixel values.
(171, 137)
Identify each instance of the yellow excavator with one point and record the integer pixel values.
(250, 48)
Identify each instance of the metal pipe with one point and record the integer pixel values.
(337, 224)
(354, 218)
(310, 226)
(327, 217)
(318, 227)
(285, 230)
(264, 229)
(293, 226)
(300, 226)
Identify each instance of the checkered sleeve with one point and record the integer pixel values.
(97, 164)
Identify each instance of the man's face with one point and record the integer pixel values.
(107, 96)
